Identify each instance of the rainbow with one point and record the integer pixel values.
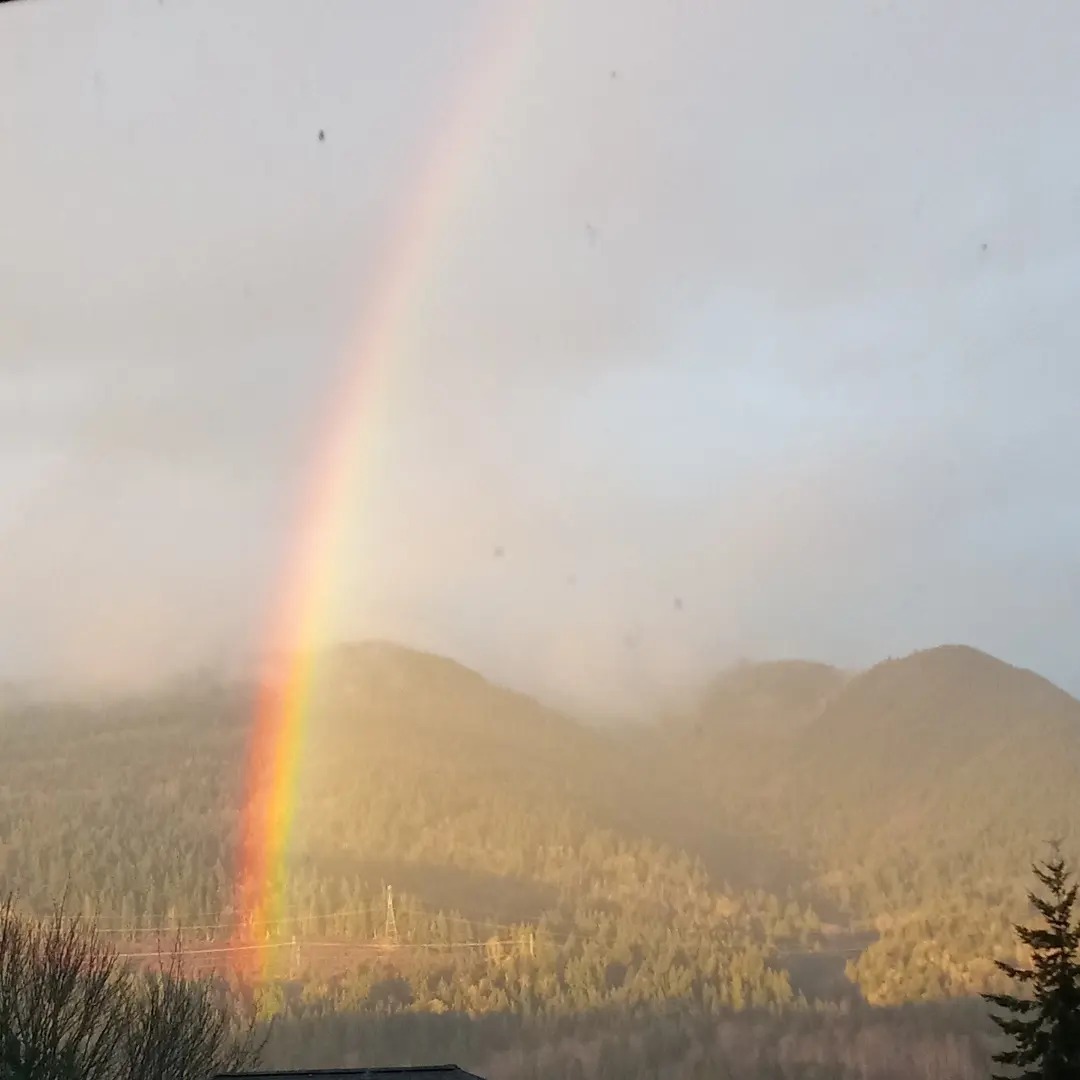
(303, 611)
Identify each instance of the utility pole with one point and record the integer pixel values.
(391, 923)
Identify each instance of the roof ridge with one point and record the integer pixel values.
(360, 1072)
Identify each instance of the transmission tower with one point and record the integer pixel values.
(390, 932)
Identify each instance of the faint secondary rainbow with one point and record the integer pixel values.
(304, 605)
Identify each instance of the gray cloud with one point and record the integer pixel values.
(769, 308)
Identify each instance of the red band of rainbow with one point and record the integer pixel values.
(304, 608)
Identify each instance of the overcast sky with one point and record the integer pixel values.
(767, 308)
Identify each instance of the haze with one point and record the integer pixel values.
(751, 332)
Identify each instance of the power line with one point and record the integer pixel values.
(340, 946)
(240, 921)
(388, 944)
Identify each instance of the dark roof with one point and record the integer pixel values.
(415, 1072)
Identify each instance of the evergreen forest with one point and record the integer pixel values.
(808, 873)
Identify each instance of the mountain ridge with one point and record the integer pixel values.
(912, 794)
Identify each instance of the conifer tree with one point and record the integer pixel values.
(1044, 1025)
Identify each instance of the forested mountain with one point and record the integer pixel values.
(776, 697)
(937, 722)
(665, 893)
